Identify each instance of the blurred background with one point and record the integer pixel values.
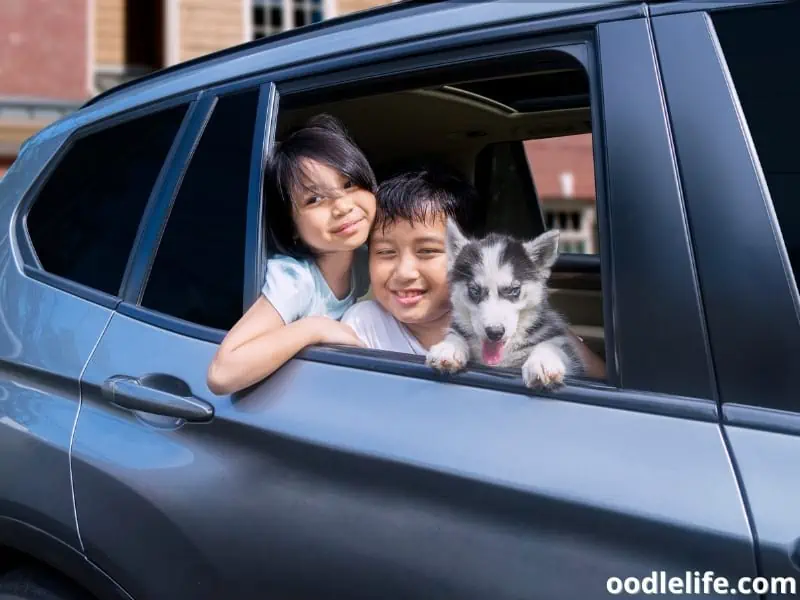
(56, 54)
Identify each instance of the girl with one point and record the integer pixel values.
(320, 204)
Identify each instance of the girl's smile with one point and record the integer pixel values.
(350, 227)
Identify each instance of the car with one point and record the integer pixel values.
(134, 239)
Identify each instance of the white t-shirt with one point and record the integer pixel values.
(379, 330)
(297, 288)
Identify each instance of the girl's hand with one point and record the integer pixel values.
(330, 331)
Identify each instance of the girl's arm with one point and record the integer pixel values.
(260, 343)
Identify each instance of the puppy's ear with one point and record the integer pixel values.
(543, 250)
(455, 241)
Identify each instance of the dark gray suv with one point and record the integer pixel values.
(134, 239)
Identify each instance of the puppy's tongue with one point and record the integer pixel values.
(492, 352)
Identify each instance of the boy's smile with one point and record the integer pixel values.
(408, 271)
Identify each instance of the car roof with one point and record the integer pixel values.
(396, 22)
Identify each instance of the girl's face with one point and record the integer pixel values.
(332, 214)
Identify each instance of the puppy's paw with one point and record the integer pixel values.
(544, 368)
(446, 357)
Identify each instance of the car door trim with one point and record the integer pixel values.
(255, 240)
(740, 314)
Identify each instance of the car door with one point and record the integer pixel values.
(361, 474)
(70, 205)
(730, 100)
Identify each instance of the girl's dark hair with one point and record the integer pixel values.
(325, 140)
(423, 194)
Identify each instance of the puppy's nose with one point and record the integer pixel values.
(495, 332)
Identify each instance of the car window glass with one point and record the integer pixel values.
(554, 175)
(762, 52)
(84, 221)
(198, 272)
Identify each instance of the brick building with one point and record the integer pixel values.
(563, 172)
(54, 55)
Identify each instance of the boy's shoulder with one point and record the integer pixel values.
(379, 329)
(366, 311)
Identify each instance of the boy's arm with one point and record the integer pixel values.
(595, 367)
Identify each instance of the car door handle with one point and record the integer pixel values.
(157, 394)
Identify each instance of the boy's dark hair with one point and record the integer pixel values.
(324, 139)
(423, 194)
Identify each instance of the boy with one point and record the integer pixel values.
(408, 261)
(408, 264)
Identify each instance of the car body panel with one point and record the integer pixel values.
(46, 338)
(429, 489)
(708, 122)
(766, 463)
(751, 308)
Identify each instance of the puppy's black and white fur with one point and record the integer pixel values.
(501, 314)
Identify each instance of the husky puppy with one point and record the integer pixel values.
(501, 316)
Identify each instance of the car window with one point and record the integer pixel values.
(498, 127)
(198, 272)
(762, 52)
(547, 180)
(83, 223)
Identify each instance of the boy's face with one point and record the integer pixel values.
(408, 270)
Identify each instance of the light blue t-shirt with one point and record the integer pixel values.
(297, 288)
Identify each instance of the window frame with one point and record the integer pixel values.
(316, 88)
(31, 266)
(299, 90)
(154, 226)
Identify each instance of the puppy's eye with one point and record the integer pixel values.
(475, 292)
(512, 292)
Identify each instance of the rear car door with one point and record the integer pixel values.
(733, 99)
(361, 474)
(71, 204)
(148, 449)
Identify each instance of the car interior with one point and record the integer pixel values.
(478, 126)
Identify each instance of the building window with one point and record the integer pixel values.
(274, 16)
(576, 224)
(563, 171)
